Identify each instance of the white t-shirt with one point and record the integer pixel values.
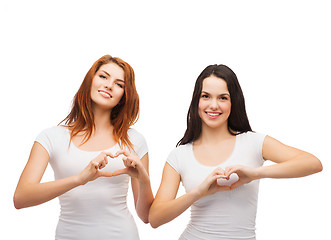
(228, 214)
(98, 209)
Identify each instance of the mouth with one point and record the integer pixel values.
(105, 94)
(213, 114)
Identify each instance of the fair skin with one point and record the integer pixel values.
(213, 147)
(106, 92)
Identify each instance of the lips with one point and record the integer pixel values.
(105, 94)
(213, 115)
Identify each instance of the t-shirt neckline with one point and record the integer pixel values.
(226, 161)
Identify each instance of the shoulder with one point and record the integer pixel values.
(54, 131)
(251, 144)
(178, 157)
(138, 141)
(52, 137)
(181, 149)
(134, 134)
(251, 136)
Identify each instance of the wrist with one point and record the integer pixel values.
(144, 180)
(259, 173)
(195, 194)
(78, 180)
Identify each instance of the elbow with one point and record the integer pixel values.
(154, 224)
(145, 220)
(20, 199)
(153, 221)
(144, 216)
(18, 204)
(318, 166)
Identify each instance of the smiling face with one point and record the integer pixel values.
(107, 86)
(215, 103)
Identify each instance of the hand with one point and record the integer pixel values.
(246, 174)
(91, 171)
(133, 166)
(209, 185)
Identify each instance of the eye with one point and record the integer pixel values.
(204, 96)
(224, 98)
(120, 85)
(102, 76)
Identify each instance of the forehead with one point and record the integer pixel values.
(214, 84)
(113, 70)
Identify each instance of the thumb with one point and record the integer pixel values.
(120, 172)
(105, 174)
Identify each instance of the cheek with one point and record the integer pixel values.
(226, 107)
(95, 84)
(201, 107)
(119, 94)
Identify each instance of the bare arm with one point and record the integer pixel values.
(290, 163)
(31, 192)
(137, 169)
(167, 207)
(142, 192)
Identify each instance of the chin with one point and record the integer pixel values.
(215, 125)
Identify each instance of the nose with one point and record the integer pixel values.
(109, 84)
(213, 104)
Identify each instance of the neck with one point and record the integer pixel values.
(102, 120)
(213, 135)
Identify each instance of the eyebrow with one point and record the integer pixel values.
(222, 94)
(109, 76)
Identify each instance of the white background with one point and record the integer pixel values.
(280, 51)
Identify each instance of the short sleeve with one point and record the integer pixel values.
(172, 160)
(257, 140)
(138, 141)
(260, 140)
(44, 138)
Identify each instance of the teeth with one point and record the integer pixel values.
(104, 93)
(213, 114)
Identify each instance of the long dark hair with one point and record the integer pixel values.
(237, 121)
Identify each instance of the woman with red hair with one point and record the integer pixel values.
(93, 154)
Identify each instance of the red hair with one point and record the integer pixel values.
(123, 115)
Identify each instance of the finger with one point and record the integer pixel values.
(103, 162)
(231, 170)
(219, 175)
(94, 164)
(126, 162)
(133, 164)
(236, 184)
(120, 172)
(106, 160)
(102, 165)
(122, 151)
(109, 154)
(227, 170)
(223, 188)
(215, 177)
(105, 174)
(220, 171)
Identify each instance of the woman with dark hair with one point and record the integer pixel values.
(219, 161)
(88, 153)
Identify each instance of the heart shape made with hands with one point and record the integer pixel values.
(228, 182)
